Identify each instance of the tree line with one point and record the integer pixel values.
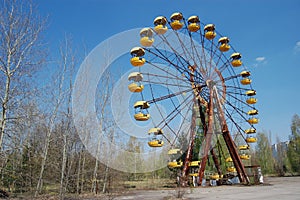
(281, 158)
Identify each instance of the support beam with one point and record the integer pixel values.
(208, 137)
(238, 164)
(216, 161)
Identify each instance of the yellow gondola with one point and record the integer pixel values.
(140, 115)
(231, 169)
(135, 86)
(251, 100)
(195, 163)
(209, 30)
(160, 25)
(250, 131)
(215, 176)
(228, 159)
(193, 23)
(244, 147)
(252, 112)
(253, 120)
(251, 139)
(137, 60)
(146, 37)
(251, 93)
(245, 157)
(246, 81)
(194, 174)
(175, 164)
(176, 21)
(236, 62)
(224, 46)
(245, 74)
(156, 143)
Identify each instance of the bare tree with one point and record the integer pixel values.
(68, 63)
(20, 53)
(56, 101)
(104, 96)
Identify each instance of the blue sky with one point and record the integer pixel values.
(265, 32)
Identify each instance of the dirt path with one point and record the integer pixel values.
(274, 188)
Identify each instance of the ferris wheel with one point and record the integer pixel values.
(205, 89)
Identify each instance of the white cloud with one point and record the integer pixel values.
(297, 46)
(260, 59)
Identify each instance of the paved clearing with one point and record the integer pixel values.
(274, 188)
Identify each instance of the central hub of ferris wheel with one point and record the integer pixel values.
(206, 88)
